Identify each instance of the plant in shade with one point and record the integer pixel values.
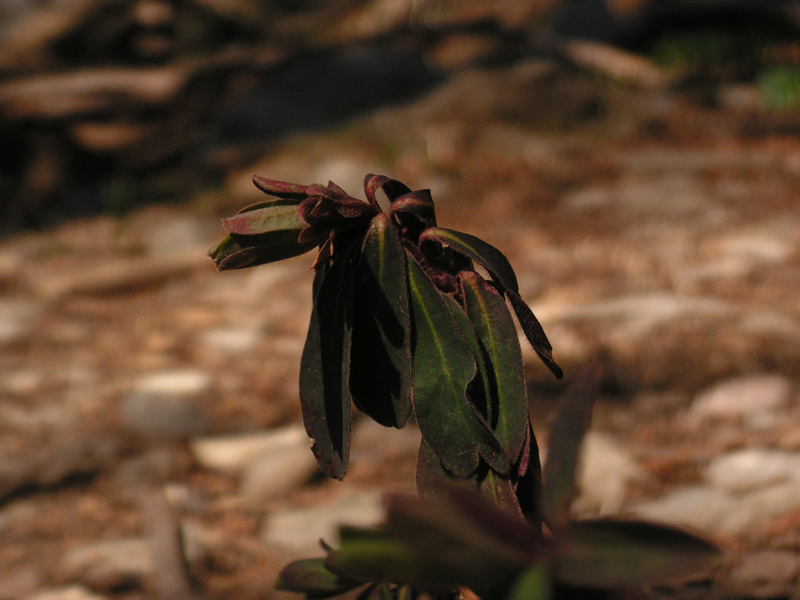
(403, 323)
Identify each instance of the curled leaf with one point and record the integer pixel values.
(391, 187)
(475, 249)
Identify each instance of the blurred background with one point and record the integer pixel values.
(637, 160)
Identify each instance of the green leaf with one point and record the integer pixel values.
(378, 559)
(310, 577)
(277, 216)
(532, 584)
(475, 249)
(443, 368)
(567, 430)
(429, 542)
(242, 251)
(325, 365)
(534, 332)
(499, 342)
(501, 491)
(381, 370)
(609, 553)
(479, 392)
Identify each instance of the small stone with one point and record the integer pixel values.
(174, 235)
(110, 564)
(153, 466)
(23, 383)
(15, 319)
(759, 506)
(605, 473)
(120, 275)
(233, 454)
(15, 514)
(70, 592)
(299, 530)
(276, 473)
(765, 247)
(231, 341)
(770, 323)
(164, 417)
(175, 383)
(702, 507)
(752, 469)
(764, 574)
(742, 396)
(19, 584)
(163, 405)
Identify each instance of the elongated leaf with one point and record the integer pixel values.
(267, 203)
(567, 431)
(498, 339)
(479, 393)
(534, 332)
(429, 542)
(475, 249)
(274, 217)
(381, 370)
(443, 368)
(610, 553)
(325, 366)
(310, 577)
(281, 189)
(242, 251)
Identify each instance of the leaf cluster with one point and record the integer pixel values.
(403, 323)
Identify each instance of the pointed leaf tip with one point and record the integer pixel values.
(310, 577)
(534, 332)
(280, 189)
(600, 553)
(475, 249)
